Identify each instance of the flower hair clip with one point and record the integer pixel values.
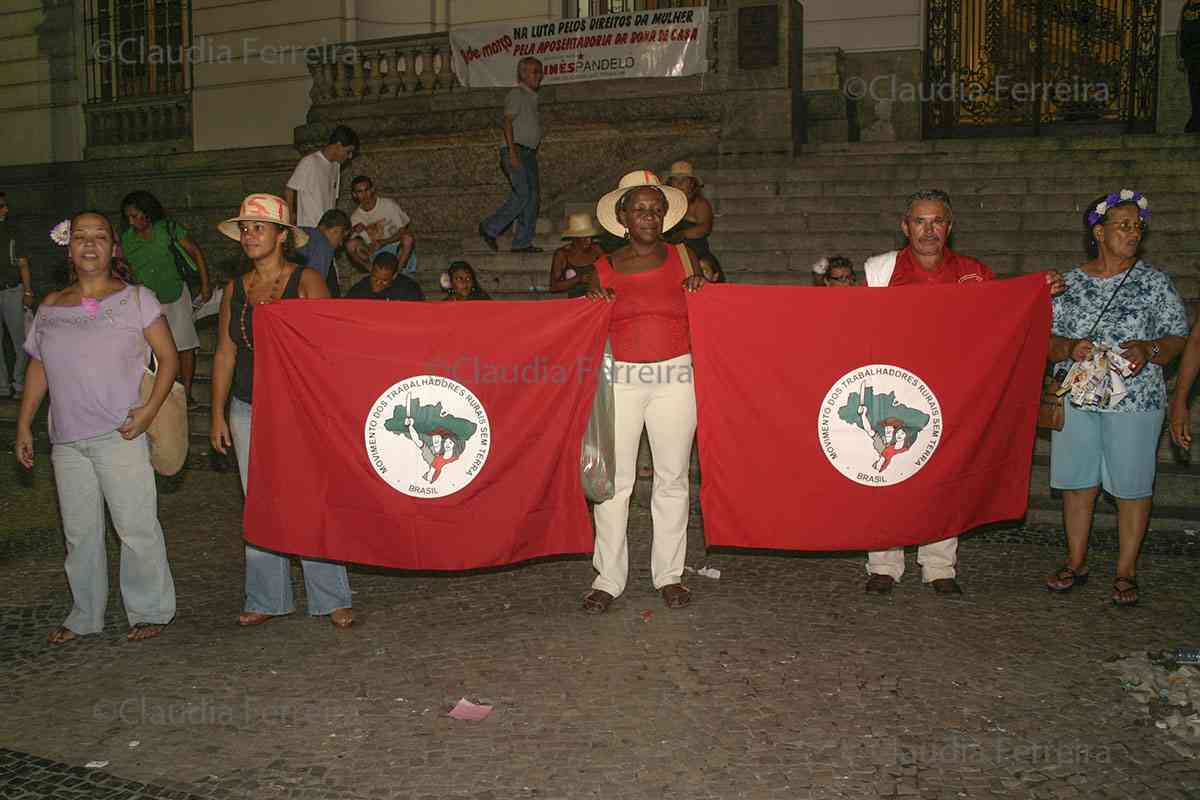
(60, 234)
(821, 267)
(1096, 215)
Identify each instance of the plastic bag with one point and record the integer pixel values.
(597, 458)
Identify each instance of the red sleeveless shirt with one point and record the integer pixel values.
(649, 320)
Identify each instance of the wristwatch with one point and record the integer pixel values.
(1154, 350)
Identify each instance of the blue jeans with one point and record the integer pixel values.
(114, 470)
(12, 319)
(522, 203)
(269, 575)
(409, 266)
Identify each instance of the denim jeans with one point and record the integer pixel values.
(114, 470)
(522, 203)
(12, 320)
(269, 575)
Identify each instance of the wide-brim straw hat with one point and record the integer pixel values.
(606, 209)
(683, 169)
(262, 208)
(580, 226)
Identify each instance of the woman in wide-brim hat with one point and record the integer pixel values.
(266, 236)
(697, 224)
(572, 268)
(646, 280)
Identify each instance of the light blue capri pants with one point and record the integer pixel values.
(1117, 450)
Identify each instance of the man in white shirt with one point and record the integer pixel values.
(518, 159)
(316, 182)
(378, 225)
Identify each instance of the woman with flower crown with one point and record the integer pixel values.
(87, 348)
(1120, 302)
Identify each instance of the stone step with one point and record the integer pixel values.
(1168, 453)
(959, 187)
(548, 241)
(1024, 146)
(733, 219)
(930, 169)
(1174, 485)
(1066, 202)
(972, 242)
(1047, 510)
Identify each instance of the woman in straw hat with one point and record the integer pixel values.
(697, 224)
(572, 268)
(266, 236)
(646, 280)
(87, 348)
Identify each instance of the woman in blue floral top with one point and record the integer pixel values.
(1114, 446)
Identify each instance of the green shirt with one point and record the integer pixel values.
(152, 260)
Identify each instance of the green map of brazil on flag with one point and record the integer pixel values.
(434, 436)
(862, 419)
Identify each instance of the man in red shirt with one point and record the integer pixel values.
(925, 261)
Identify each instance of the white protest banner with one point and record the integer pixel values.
(668, 43)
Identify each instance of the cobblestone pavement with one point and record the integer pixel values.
(782, 680)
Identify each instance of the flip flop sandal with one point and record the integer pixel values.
(1124, 586)
(676, 595)
(61, 635)
(597, 601)
(1070, 577)
(141, 626)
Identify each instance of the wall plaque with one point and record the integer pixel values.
(758, 37)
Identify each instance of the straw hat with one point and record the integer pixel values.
(683, 169)
(262, 208)
(580, 226)
(606, 209)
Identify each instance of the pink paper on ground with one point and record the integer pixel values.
(465, 709)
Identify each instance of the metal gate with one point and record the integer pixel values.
(1025, 67)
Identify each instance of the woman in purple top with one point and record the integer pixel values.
(87, 346)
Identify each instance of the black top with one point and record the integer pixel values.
(403, 288)
(1189, 32)
(243, 365)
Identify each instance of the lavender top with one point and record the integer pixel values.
(94, 365)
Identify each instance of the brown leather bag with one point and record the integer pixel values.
(1052, 413)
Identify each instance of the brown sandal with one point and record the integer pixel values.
(342, 617)
(1125, 592)
(676, 595)
(61, 635)
(597, 601)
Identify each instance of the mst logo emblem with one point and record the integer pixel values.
(879, 425)
(428, 436)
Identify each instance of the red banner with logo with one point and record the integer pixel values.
(436, 436)
(861, 419)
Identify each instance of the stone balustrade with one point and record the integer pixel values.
(383, 69)
(140, 121)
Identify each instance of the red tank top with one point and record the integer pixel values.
(649, 319)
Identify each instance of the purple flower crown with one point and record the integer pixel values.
(1096, 215)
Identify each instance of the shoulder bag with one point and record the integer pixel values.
(168, 431)
(1052, 413)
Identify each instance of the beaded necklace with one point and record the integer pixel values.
(272, 297)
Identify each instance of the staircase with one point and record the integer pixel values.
(1018, 208)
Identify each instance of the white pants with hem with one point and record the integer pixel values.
(659, 397)
(937, 559)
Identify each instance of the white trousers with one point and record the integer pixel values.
(937, 559)
(659, 397)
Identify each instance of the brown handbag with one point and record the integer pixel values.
(1052, 413)
(167, 434)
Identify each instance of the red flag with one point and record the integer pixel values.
(438, 436)
(861, 419)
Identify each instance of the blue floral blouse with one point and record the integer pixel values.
(1148, 307)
